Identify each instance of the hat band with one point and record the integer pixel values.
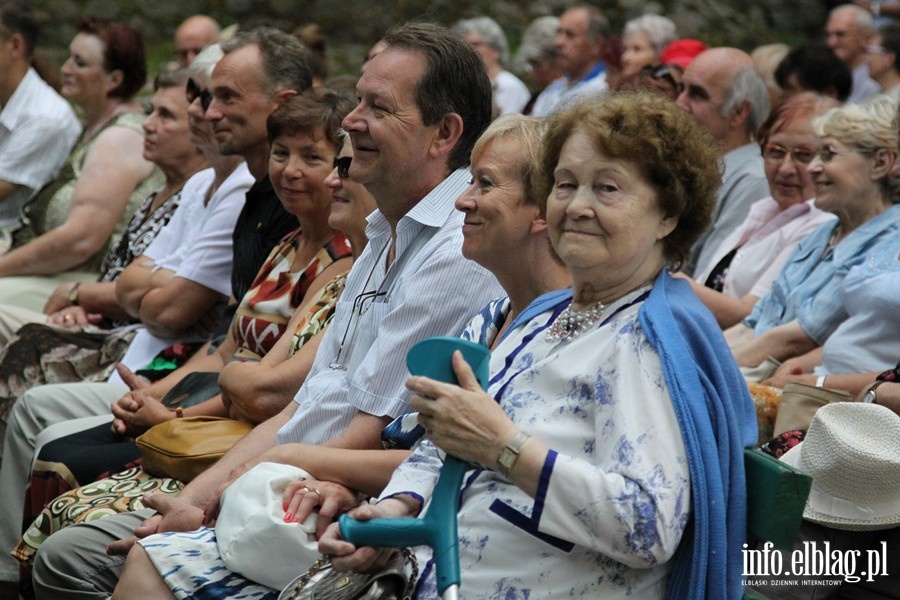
(844, 509)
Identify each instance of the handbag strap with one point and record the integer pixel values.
(317, 566)
(324, 560)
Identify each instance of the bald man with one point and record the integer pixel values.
(193, 35)
(726, 94)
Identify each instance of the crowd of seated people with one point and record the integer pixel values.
(650, 227)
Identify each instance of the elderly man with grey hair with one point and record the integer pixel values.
(485, 35)
(580, 44)
(726, 94)
(848, 31)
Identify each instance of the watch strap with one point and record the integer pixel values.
(510, 454)
(871, 396)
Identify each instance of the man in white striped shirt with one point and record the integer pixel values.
(37, 126)
(423, 102)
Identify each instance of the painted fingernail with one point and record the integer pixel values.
(284, 506)
(288, 518)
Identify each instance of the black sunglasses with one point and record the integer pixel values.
(342, 165)
(194, 91)
(667, 73)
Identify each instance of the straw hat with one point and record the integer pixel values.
(852, 452)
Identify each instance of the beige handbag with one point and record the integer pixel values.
(184, 448)
(762, 371)
(799, 402)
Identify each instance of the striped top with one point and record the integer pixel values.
(430, 289)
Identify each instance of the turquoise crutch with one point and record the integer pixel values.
(437, 529)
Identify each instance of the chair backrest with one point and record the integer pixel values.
(776, 496)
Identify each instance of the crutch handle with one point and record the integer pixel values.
(384, 532)
(430, 358)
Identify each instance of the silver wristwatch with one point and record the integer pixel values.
(870, 397)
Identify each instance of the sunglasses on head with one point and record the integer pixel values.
(194, 91)
(342, 165)
(666, 73)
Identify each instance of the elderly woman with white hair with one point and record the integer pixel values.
(852, 177)
(643, 39)
(488, 39)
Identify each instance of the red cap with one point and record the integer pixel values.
(681, 52)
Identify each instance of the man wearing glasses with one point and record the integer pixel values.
(725, 93)
(423, 102)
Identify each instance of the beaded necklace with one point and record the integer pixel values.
(570, 324)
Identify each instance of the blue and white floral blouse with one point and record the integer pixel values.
(614, 495)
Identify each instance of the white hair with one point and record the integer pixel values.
(538, 41)
(204, 63)
(861, 17)
(489, 31)
(659, 30)
(748, 86)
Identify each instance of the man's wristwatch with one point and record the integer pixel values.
(510, 454)
(871, 397)
(73, 294)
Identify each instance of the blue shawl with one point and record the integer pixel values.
(717, 420)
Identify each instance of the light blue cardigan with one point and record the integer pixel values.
(717, 420)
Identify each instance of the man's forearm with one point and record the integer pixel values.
(263, 437)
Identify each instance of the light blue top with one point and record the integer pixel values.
(869, 340)
(808, 288)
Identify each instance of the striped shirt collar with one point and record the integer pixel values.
(430, 211)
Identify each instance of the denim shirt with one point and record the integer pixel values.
(808, 288)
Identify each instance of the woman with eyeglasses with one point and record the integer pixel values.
(82, 321)
(851, 172)
(506, 231)
(749, 260)
(273, 336)
(80, 215)
(588, 477)
(84, 334)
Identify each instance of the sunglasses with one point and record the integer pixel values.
(665, 73)
(342, 165)
(194, 91)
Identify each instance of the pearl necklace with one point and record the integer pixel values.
(571, 324)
